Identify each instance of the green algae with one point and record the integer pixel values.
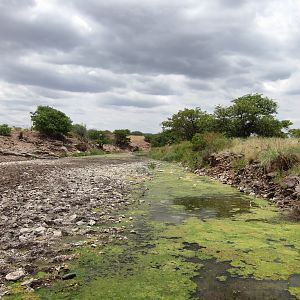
(222, 278)
(244, 242)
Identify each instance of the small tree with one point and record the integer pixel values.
(121, 139)
(186, 123)
(136, 133)
(50, 121)
(98, 137)
(79, 130)
(295, 133)
(5, 130)
(166, 137)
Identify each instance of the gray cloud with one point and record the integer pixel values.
(132, 59)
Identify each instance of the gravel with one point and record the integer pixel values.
(48, 207)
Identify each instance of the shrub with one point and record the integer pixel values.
(138, 133)
(5, 130)
(50, 121)
(164, 138)
(182, 152)
(98, 137)
(210, 142)
(121, 139)
(79, 130)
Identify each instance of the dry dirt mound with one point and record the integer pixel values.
(24, 144)
(138, 142)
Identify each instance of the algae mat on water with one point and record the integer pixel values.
(196, 239)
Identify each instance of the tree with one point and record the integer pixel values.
(138, 133)
(98, 137)
(161, 139)
(186, 123)
(121, 139)
(79, 130)
(5, 130)
(250, 114)
(295, 133)
(50, 121)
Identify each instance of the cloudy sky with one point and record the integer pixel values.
(132, 63)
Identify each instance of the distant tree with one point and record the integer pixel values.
(50, 121)
(250, 114)
(166, 137)
(79, 130)
(295, 133)
(121, 138)
(98, 137)
(186, 123)
(5, 130)
(136, 133)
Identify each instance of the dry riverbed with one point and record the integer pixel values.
(50, 207)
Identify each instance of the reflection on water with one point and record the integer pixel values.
(215, 206)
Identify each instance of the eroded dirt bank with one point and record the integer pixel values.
(45, 206)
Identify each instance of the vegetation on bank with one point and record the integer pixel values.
(249, 127)
(5, 130)
(264, 150)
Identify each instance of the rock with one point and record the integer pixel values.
(25, 230)
(16, 275)
(69, 276)
(272, 175)
(82, 147)
(57, 233)
(80, 223)
(40, 230)
(92, 222)
(28, 282)
(290, 181)
(64, 149)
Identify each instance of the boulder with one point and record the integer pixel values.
(16, 275)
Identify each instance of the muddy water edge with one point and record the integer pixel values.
(189, 238)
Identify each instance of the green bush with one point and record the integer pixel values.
(192, 154)
(50, 121)
(210, 141)
(121, 139)
(5, 130)
(98, 137)
(79, 130)
(182, 152)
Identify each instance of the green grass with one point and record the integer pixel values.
(92, 152)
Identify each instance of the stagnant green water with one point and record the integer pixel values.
(195, 239)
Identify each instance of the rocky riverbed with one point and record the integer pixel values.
(48, 207)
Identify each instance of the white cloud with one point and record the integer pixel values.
(130, 63)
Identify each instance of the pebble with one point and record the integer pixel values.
(69, 276)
